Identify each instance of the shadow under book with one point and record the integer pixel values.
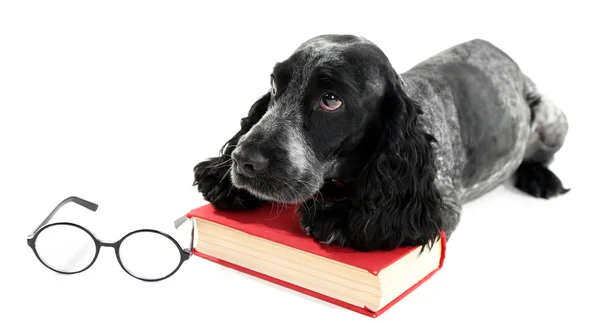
(269, 243)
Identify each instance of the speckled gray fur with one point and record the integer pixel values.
(514, 133)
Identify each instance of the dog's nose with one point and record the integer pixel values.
(249, 162)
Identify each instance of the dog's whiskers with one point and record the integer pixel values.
(226, 173)
(298, 196)
(219, 165)
(230, 188)
(316, 200)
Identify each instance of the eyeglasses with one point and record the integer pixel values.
(69, 248)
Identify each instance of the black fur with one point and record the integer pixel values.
(537, 180)
(396, 202)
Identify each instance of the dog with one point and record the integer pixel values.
(376, 160)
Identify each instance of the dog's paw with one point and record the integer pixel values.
(231, 198)
(327, 233)
(325, 222)
(213, 182)
(537, 180)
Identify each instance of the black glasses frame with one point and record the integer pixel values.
(184, 253)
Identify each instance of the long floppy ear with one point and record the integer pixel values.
(397, 202)
(212, 175)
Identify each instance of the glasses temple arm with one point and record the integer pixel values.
(181, 220)
(88, 205)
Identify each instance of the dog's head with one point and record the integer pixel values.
(321, 103)
(336, 110)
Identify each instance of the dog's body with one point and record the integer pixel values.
(408, 149)
(480, 107)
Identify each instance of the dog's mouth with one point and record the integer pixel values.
(278, 187)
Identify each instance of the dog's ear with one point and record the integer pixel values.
(211, 176)
(397, 198)
(257, 111)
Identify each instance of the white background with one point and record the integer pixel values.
(116, 101)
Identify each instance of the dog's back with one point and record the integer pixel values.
(475, 99)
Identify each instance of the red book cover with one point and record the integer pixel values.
(280, 224)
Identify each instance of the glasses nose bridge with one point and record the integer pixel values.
(110, 244)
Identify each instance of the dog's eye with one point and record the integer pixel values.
(330, 102)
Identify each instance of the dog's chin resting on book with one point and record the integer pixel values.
(375, 159)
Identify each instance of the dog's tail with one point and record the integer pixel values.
(537, 180)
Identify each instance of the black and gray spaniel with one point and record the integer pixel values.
(375, 159)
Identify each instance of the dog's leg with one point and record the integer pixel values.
(366, 232)
(332, 222)
(326, 221)
(214, 182)
(453, 209)
(549, 128)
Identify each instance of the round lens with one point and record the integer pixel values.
(149, 255)
(65, 248)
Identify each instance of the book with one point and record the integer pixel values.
(269, 243)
